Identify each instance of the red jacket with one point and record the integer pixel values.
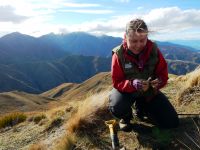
(118, 77)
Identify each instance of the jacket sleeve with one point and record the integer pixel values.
(118, 77)
(161, 70)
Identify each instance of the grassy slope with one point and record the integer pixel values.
(96, 84)
(21, 101)
(145, 136)
(88, 121)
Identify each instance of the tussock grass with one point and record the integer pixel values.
(67, 142)
(58, 112)
(191, 79)
(39, 146)
(62, 111)
(57, 117)
(37, 118)
(12, 119)
(190, 83)
(56, 122)
(89, 115)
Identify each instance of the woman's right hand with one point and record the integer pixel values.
(141, 85)
(145, 85)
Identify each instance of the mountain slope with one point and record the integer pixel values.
(12, 79)
(179, 52)
(24, 102)
(36, 65)
(180, 67)
(81, 43)
(95, 84)
(17, 47)
(45, 75)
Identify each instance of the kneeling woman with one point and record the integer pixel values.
(139, 71)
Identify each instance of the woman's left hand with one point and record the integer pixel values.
(155, 83)
(145, 85)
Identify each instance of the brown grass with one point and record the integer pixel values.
(89, 114)
(59, 111)
(56, 122)
(190, 83)
(12, 119)
(88, 117)
(67, 142)
(39, 146)
(37, 118)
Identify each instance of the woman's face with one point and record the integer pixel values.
(136, 41)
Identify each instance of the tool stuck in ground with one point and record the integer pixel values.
(113, 134)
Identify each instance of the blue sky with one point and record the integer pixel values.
(167, 19)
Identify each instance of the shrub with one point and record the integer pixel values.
(12, 119)
(38, 118)
(57, 122)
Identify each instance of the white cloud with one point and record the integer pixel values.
(88, 11)
(34, 18)
(172, 19)
(81, 5)
(8, 15)
(163, 21)
(32, 7)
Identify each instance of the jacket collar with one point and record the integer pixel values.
(141, 58)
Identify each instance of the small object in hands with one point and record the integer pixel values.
(137, 84)
(146, 84)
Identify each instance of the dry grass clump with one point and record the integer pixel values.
(90, 114)
(56, 122)
(62, 111)
(12, 119)
(57, 117)
(190, 84)
(37, 118)
(191, 79)
(67, 142)
(190, 139)
(57, 113)
(39, 146)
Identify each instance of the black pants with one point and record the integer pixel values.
(159, 108)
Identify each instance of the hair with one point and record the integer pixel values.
(136, 25)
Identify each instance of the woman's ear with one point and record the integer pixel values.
(125, 37)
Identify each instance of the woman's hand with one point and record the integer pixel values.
(155, 83)
(146, 84)
(141, 85)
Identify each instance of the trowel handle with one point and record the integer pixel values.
(114, 138)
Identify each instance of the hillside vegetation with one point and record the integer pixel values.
(78, 123)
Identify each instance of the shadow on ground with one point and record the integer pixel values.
(186, 136)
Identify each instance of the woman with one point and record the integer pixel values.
(139, 70)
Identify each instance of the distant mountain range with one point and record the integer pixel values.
(39, 76)
(192, 43)
(36, 65)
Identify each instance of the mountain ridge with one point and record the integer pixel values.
(38, 64)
